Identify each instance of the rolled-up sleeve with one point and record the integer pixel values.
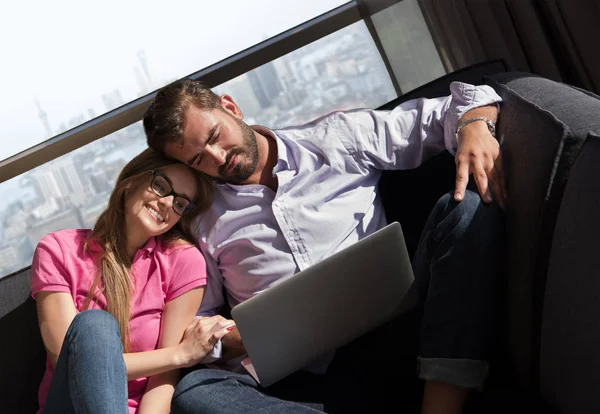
(188, 271)
(48, 272)
(411, 133)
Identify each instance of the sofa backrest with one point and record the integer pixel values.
(22, 354)
(570, 327)
(545, 127)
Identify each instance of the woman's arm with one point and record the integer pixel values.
(176, 317)
(56, 312)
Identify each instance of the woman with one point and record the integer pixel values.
(116, 304)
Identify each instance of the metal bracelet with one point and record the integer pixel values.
(490, 124)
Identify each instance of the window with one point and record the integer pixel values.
(408, 44)
(342, 70)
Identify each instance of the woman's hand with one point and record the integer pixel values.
(201, 336)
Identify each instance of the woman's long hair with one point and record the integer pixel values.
(110, 235)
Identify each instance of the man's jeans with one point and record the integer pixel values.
(90, 375)
(450, 320)
(457, 267)
(445, 332)
(221, 392)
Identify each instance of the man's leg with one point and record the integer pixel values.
(457, 268)
(90, 374)
(215, 391)
(448, 319)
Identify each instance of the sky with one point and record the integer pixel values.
(66, 54)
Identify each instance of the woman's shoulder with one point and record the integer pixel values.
(178, 250)
(70, 240)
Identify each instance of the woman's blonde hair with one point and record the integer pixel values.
(109, 234)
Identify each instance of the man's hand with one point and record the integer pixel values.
(232, 344)
(479, 154)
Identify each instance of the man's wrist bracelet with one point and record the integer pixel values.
(490, 124)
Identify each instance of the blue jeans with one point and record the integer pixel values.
(220, 392)
(90, 374)
(445, 331)
(457, 267)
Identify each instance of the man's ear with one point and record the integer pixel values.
(228, 104)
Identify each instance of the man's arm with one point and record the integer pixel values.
(416, 130)
(231, 345)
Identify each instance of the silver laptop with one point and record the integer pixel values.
(326, 306)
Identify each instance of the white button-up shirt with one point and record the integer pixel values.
(327, 199)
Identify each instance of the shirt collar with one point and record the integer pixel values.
(151, 245)
(284, 161)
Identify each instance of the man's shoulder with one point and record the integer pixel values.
(335, 117)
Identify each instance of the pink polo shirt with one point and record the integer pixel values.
(160, 273)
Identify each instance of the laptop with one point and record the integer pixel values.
(326, 306)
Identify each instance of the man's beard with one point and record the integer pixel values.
(247, 157)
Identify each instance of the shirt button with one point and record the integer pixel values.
(292, 233)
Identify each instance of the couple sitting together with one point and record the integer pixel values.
(216, 211)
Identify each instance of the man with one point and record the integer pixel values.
(287, 199)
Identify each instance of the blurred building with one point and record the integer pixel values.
(265, 84)
(61, 180)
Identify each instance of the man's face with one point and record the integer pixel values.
(217, 143)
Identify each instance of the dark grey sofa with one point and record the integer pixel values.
(548, 355)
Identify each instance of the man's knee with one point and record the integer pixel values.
(191, 391)
(203, 377)
(470, 211)
(202, 390)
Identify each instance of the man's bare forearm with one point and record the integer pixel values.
(232, 344)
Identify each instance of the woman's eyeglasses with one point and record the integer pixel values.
(162, 187)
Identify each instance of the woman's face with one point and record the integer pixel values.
(148, 212)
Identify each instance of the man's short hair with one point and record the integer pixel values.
(164, 120)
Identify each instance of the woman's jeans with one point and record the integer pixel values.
(445, 332)
(90, 375)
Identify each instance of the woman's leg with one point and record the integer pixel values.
(216, 392)
(90, 374)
